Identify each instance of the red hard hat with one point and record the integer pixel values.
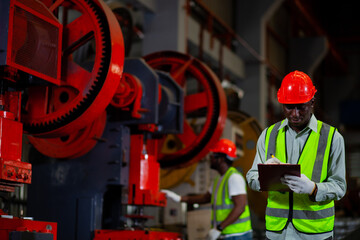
(296, 87)
(225, 146)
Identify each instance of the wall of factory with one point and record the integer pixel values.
(211, 47)
(223, 9)
(276, 43)
(165, 28)
(250, 24)
(169, 28)
(343, 113)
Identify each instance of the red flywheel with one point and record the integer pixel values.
(205, 108)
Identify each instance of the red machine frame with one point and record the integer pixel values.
(9, 224)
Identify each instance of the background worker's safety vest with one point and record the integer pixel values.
(307, 216)
(224, 205)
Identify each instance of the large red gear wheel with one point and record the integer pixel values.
(205, 100)
(84, 92)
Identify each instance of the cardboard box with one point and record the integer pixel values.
(198, 224)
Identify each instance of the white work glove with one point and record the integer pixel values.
(213, 234)
(273, 160)
(301, 185)
(169, 194)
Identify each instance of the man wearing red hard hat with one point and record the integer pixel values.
(307, 210)
(230, 217)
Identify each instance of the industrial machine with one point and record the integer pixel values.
(98, 122)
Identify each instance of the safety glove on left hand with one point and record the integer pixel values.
(213, 234)
(169, 194)
(301, 185)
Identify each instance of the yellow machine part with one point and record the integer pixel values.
(170, 178)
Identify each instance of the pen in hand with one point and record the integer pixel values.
(273, 160)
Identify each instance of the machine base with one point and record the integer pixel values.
(135, 234)
(21, 229)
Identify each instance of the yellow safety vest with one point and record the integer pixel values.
(224, 205)
(307, 216)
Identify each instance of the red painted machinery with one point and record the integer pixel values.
(98, 134)
(18, 228)
(43, 89)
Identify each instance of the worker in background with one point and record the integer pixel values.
(230, 212)
(307, 211)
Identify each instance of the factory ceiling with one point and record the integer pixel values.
(340, 22)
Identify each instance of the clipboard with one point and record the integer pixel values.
(270, 174)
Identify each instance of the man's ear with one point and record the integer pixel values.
(312, 101)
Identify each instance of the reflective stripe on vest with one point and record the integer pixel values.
(307, 216)
(224, 206)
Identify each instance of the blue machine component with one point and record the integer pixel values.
(4, 24)
(150, 83)
(169, 113)
(171, 107)
(74, 192)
